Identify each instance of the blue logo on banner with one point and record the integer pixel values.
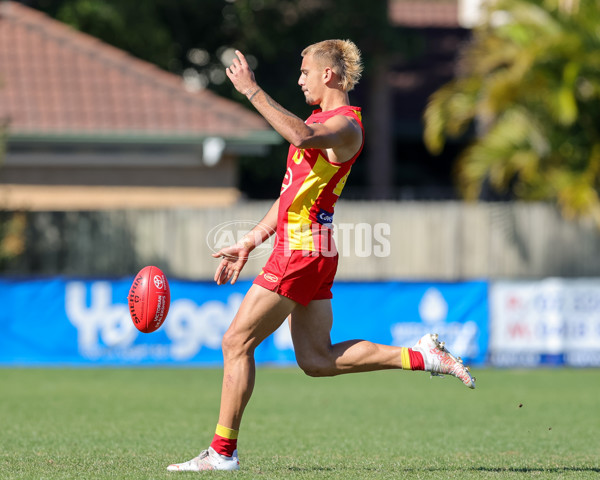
(399, 314)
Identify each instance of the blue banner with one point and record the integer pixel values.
(86, 322)
(399, 313)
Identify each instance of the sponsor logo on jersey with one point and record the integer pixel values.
(324, 217)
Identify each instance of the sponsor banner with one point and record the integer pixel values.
(400, 313)
(87, 322)
(547, 322)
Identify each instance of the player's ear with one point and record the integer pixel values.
(327, 74)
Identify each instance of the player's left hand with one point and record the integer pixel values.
(241, 75)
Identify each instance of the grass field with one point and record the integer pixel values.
(131, 423)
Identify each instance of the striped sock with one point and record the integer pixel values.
(225, 440)
(411, 360)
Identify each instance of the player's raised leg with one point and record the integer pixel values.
(310, 327)
(317, 356)
(259, 315)
(439, 361)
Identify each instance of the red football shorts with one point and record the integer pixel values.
(298, 276)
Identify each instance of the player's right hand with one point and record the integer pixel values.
(233, 260)
(240, 74)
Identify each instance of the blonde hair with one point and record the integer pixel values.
(343, 56)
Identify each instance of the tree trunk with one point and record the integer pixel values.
(379, 124)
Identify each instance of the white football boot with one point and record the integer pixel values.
(440, 361)
(207, 460)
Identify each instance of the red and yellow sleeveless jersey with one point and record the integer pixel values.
(310, 189)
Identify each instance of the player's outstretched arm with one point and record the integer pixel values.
(234, 258)
(286, 123)
(338, 131)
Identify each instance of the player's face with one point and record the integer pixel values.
(311, 80)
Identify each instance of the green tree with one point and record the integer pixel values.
(159, 31)
(529, 82)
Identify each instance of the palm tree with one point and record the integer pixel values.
(529, 81)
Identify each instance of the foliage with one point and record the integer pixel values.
(3, 136)
(277, 31)
(12, 237)
(3, 132)
(530, 78)
(158, 31)
(12, 224)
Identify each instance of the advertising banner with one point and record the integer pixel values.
(87, 322)
(548, 322)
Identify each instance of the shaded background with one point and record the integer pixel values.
(407, 55)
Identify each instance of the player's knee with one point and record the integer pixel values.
(233, 344)
(317, 366)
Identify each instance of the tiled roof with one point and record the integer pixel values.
(56, 81)
(424, 13)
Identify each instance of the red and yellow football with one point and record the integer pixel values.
(149, 299)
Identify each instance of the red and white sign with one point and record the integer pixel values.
(557, 319)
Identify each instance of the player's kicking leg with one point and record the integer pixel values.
(311, 325)
(439, 361)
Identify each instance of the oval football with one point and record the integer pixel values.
(149, 299)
